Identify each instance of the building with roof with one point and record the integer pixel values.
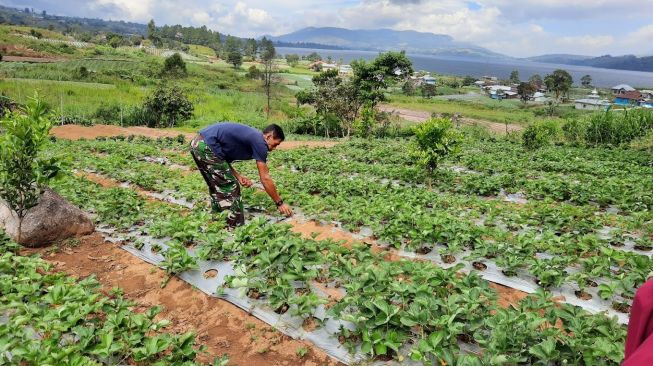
(622, 88)
(592, 102)
(628, 98)
(539, 97)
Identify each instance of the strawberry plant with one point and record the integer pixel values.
(176, 260)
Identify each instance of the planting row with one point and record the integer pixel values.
(397, 307)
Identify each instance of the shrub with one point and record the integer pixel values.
(23, 173)
(168, 106)
(254, 73)
(540, 134)
(574, 130)
(613, 128)
(174, 66)
(435, 139)
(107, 113)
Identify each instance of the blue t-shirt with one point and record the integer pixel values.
(233, 141)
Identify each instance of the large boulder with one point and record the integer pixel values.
(52, 219)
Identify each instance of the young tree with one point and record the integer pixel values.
(586, 81)
(235, 58)
(268, 53)
(408, 88)
(428, 91)
(525, 91)
(514, 77)
(174, 65)
(559, 82)
(435, 139)
(250, 48)
(152, 33)
(343, 99)
(167, 106)
(23, 172)
(292, 59)
(469, 80)
(313, 56)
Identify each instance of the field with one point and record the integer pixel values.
(503, 256)
(569, 225)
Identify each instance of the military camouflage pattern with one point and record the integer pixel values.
(224, 188)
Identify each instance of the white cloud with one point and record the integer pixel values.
(519, 28)
(129, 10)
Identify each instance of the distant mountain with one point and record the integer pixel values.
(559, 58)
(626, 62)
(386, 40)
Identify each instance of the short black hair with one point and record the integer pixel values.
(277, 132)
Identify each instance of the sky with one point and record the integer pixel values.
(518, 28)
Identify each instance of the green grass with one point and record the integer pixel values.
(200, 51)
(491, 110)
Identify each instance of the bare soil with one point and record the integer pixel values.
(221, 326)
(22, 53)
(413, 115)
(76, 132)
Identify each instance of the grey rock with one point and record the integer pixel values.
(52, 219)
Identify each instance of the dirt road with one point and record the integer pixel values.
(76, 132)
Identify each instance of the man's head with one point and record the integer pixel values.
(273, 135)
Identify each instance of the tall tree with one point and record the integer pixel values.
(514, 77)
(525, 91)
(250, 48)
(152, 33)
(536, 80)
(343, 99)
(267, 53)
(586, 81)
(559, 82)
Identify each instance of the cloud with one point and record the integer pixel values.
(528, 10)
(518, 28)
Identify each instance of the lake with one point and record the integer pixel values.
(462, 66)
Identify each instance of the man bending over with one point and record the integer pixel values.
(217, 146)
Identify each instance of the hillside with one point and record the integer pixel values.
(626, 62)
(386, 40)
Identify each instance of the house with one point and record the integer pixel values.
(592, 102)
(499, 91)
(628, 98)
(622, 88)
(509, 94)
(345, 70)
(647, 94)
(539, 97)
(428, 79)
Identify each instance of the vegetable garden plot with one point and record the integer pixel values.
(362, 195)
(566, 219)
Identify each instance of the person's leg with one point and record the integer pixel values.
(203, 167)
(223, 186)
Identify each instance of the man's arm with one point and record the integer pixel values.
(271, 189)
(242, 179)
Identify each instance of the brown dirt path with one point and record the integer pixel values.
(413, 115)
(221, 326)
(76, 132)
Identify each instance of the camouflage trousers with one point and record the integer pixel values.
(223, 186)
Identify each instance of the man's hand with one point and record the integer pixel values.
(285, 210)
(246, 182)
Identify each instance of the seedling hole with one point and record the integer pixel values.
(211, 273)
